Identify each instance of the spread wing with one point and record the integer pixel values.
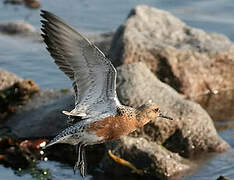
(93, 75)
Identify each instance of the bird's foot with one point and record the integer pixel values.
(76, 166)
(125, 163)
(81, 162)
(83, 169)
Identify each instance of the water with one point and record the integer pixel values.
(215, 167)
(55, 170)
(29, 59)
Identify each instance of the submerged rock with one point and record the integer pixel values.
(14, 2)
(188, 59)
(20, 28)
(33, 4)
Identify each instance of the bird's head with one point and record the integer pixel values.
(148, 112)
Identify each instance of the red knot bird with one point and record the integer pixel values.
(98, 115)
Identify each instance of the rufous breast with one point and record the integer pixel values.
(113, 127)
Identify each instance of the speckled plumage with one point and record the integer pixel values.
(98, 115)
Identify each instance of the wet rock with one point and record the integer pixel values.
(22, 155)
(19, 154)
(223, 178)
(151, 158)
(19, 28)
(15, 95)
(7, 79)
(33, 4)
(161, 147)
(188, 59)
(22, 90)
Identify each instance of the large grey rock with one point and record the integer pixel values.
(192, 126)
(165, 144)
(151, 158)
(190, 60)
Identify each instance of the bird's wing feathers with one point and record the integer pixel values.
(93, 75)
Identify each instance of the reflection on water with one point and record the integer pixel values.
(220, 105)
(55, 170)
(221, 164)
(30, 60)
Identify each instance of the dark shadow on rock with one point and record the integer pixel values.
(177, 144)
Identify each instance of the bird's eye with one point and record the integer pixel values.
(156, 109)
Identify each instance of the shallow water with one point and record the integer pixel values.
(29, 59)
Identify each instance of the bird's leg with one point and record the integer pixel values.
(83, 163)
(78, 152)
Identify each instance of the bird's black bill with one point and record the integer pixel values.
(166, 117)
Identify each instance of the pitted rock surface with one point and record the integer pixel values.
(188, 59)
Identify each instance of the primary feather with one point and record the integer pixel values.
(93, 75)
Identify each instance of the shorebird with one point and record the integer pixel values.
(98, 115)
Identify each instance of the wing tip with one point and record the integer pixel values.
(45, 13)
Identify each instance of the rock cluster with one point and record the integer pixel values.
(188, 59)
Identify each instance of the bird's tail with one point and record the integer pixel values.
(65, 137)
(52, 142)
